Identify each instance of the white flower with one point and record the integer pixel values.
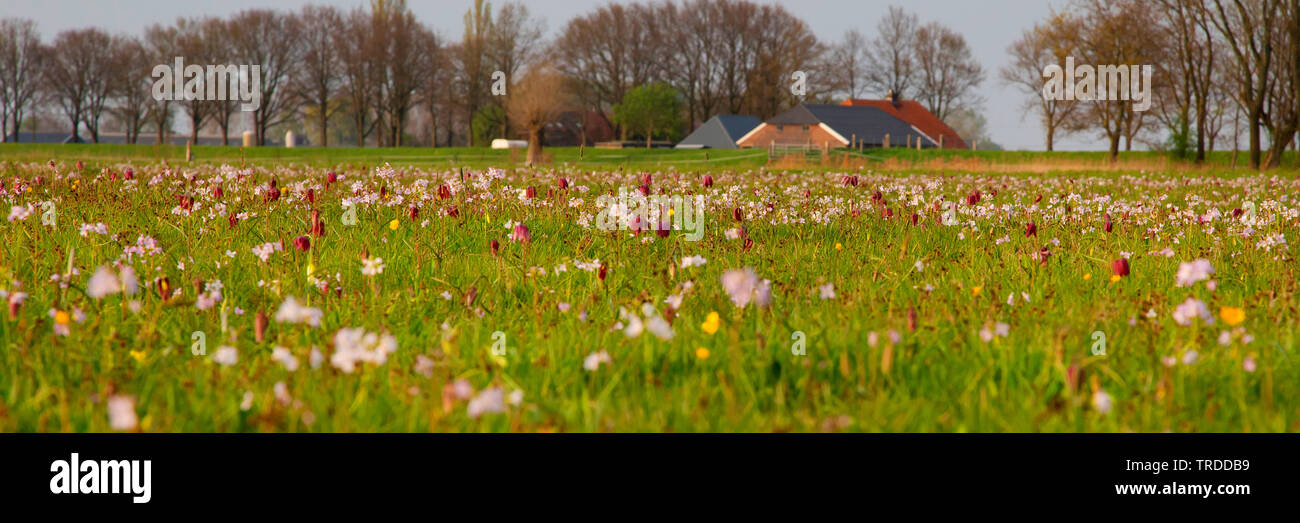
(293, 312)
(103, 283)
(743, 286)
(356, 345)
(1101, 401)
(19, 213)
(674, 301)
(226, 355)
(919, 266)
(659, 327)
(693, 261)
(121, 413)
(827, 292)
(372, 266)
(264, 250)
(1190, 310)
(204, 301)
(423, 366)
(97, 228)
(282, 393)
(595, 359)
(634, 326)
(491, 400)
(1191, 272)
(285, 358)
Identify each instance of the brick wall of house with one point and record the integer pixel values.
(790, 135)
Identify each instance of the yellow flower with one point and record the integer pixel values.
(62, 318)
(1232, 315)
(702, 353)
(138, 355)
(1087, 276)
(839, 246)
(1114, 278)
(975, 291)
(711, 323)
(670, 211)
(393, 224)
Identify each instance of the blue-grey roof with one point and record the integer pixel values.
(721, 131)
(868, 124)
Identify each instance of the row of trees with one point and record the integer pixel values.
(1218, 64)
(364, 75)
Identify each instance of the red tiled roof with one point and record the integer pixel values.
(914, 113)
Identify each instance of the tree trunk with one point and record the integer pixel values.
(324, 131)
(1254, 138)
(534, 145)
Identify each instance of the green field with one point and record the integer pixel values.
(633, 158)
(855, 317)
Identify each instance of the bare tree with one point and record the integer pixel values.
(782, 44)
(216, 37)
(316, 82)
(432, 92)
(536, 100)
(269, 39)
(361, 74)
(690, 35)
(1189, 67)
(1048, 43)
(1247, 26)
(514, 41)
(1118, 32)
(472, 62)
(891, 66)
(161, 43)
(404, 44)
(132, 86)
(946, 70)
(608, 52)
(20, 62)
(849, 59)
(189, 44)
(77, 74)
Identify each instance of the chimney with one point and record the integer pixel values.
(893, 97)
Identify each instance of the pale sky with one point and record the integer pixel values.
(988, 25)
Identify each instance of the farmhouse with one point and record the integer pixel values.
(917, 116)
(720, 132)
(825, 125)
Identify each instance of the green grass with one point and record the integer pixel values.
(940, 376)
(441, 157)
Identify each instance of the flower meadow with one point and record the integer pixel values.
(152, 297)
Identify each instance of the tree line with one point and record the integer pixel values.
(1220, 66)
(376, 75)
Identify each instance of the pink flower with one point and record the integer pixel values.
(521, 234)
